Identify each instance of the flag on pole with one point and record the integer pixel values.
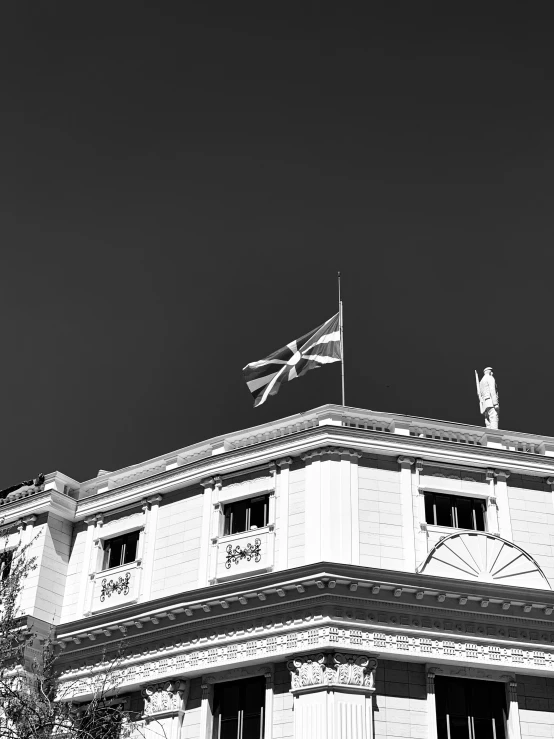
(314, 349)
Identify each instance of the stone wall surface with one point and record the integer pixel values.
(381, 540)
(283, 718)
(191, 720)
(532, 519)
(74, 572)
(45, 585)
(536, 706)
(177, 545)
(297, 517)
(400, 701)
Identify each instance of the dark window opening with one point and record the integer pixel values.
(102, 720)
(456, 511)
(5, 564)
(121, 550)
(239, 709)
(244, 515)
(470, 709)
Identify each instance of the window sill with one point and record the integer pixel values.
(118, 568)
(250, 532)
(446, 530)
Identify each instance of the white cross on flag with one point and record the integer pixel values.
(311, 351)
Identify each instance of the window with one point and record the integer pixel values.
(470, 709)
(6, 558)
(239, 709)
(244, 515)
(103, 719)
(456, 511)
(121, 550)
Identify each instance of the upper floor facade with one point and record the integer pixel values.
(336, 485)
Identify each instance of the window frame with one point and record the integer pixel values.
(243, 686)
(454, 496)
(227, 520)
(105, 566)
(4, 555)
(464, 685)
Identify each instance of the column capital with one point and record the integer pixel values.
(209, 482)
(285, 462)
(489, 474)
(550, 481)
(405, 462)
(332, 670)
(331, 451)
(154, 499)
(29, 520)
(168, 698)
(90, 520)
(419, 465)
(502, 475)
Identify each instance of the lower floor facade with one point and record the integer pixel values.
(338, 652)
(297, 700)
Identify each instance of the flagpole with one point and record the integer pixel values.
(341, 341)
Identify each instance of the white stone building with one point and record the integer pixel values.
(339, 573)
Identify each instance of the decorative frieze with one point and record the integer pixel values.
(332, 670)
(165, 698)
(189, 659)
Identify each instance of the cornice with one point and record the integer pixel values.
(46, 501)
(378, 587)
(366, 441)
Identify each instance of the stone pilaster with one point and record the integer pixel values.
(431, 705)
(514, 727)
(165, 704)
(333, 695)
(407, 512)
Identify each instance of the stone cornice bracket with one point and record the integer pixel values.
(406, 462)
(324, 451)
(332, 671)
(164, 699)
(285, 462)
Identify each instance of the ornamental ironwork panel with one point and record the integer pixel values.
(119, 586)
(249, 553)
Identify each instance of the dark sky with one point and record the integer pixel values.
(180, 182)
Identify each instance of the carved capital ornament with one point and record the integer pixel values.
(165, 699)
(332, 671)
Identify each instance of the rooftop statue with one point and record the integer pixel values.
(488, 398)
